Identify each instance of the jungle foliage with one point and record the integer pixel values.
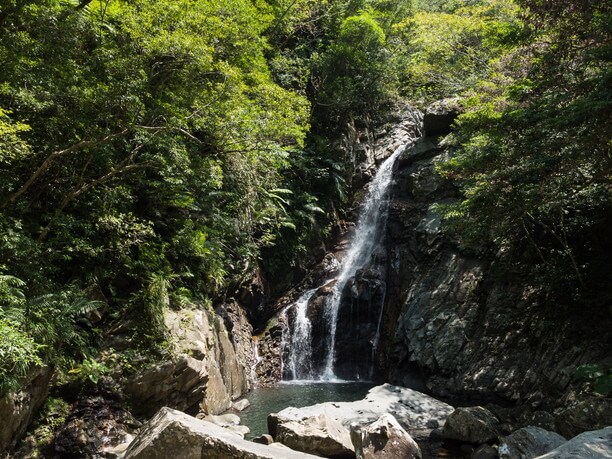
(157, 153)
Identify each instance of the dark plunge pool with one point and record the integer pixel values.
(266, 400)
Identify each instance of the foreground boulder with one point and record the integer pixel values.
(596, 444)
(384, 439)
(473, 424)
(413, 410)
(529, 442)
(319, 435)
(171, 433)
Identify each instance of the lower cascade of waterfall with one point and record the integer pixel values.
(298, 365)
(310, 357)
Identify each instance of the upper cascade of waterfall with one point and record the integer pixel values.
(299, 363)
(367, 238)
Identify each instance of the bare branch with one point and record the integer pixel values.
(52, 157)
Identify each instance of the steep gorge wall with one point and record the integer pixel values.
(471, 332)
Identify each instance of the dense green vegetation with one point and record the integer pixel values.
(155, 153)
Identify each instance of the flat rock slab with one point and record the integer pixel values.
(320, 435)
(412, 409)
(172, 433)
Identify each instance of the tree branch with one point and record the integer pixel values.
(52, 157)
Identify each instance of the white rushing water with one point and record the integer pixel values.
(299, 360)
(367, 238)
(256, 360)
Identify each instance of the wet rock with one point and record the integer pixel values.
(452, 318)
(412, 409)
(529, 442)
(369, 149)
(485, 452)
(472, 424)
(171, 433)
(241, 404)
(269, 369)
(384, 439)
(265, 439)
(595, 444)
(18, 408)
(319, 435)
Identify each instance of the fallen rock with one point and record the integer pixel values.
(596, 444)
(241, 404)
(530, 442)
(171, 433)
(265, 439)
(228, 421)
(473, 424)
(384, 439)
(320, 435)
(413, 410)
(223, 420)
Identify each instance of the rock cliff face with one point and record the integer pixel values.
(471, 332)
(210, 368)
(18, 409)
(449, 321)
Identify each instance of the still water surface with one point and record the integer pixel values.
(266, 400)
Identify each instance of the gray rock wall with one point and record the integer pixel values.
(210, 367)
(450, 316)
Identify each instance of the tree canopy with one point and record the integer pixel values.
(160, 152)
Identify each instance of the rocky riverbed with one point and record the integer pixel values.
(390, 422)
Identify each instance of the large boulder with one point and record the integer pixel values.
(210, 365)
(18, 408)
(584, 413)
(384, 439)
(171, 433)
(473, 424)
(529, 442)
(319, 435)
(413, 410)
(596, 444)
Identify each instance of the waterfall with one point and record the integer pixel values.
(367, 238)
(299, 357)
(256, 360)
